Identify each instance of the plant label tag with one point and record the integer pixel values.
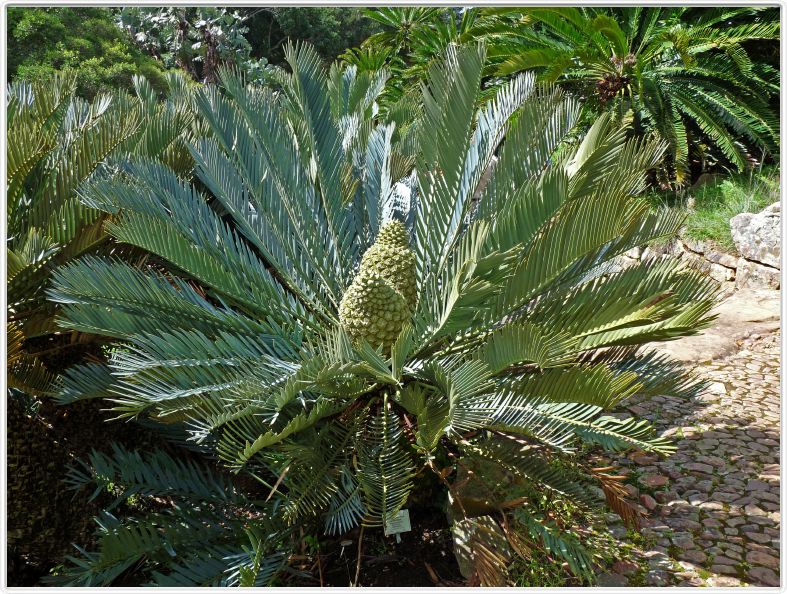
(398, 524)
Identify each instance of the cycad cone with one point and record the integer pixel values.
(382, 296)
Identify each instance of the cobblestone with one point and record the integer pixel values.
(716, 500)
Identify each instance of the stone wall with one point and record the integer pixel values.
(757, 265)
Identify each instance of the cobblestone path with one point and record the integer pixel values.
(713, 505)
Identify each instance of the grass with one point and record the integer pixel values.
(717, 202)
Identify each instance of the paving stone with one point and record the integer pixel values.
(612, 580)
(647, 501)
(625, 567)
(758, 537)
(653, 480)
(694, 556)
(722, 560)
(724, 569)
(753, 510)
(722, 581)
(657, 577)
(760, 558)
(715, 502)
(763, 575)
(757, 485)
(699, 467)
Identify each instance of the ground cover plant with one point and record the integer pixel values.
(346, 319)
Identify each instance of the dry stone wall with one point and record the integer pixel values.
(757, 265)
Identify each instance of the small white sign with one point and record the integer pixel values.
(398, 524)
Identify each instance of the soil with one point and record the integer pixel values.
(424, 557)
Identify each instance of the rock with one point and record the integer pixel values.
(665, 496)
(722, 560)
(612, 580)
(618, 531)
(699, 467)
(683, 540)
(634, 253)
(714, 388)
(751, 275)
(625, 567)
(647, 501)
(714, 461)
(758, 537)
(764, 575)
(653, 480)
(748, 311)
(770, 471)
(693, 555)
(758, 236)
(722, 259)
(723, 582)
(720, 273)
(762, 558)
(691, 581)
(756, 485)
(727, 289)
(657, 577)
(753, 510)
(697, 262)
(641, 458)
(672, 247)
(698, 247)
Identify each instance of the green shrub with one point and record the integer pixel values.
(716, 204)
(46, 41)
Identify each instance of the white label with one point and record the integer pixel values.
(399, 523)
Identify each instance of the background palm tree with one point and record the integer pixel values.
(680, 73)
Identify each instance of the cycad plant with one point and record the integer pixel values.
(684, 73)
(57, 141)
(338, 329)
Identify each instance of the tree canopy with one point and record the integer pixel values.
(46, 41)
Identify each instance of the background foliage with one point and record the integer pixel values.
(329, 30)
(45, 41)
(705, 80)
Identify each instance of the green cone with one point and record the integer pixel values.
(391, 257)
(382, 296)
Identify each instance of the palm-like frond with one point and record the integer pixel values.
(208, 537)
(57, 143)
